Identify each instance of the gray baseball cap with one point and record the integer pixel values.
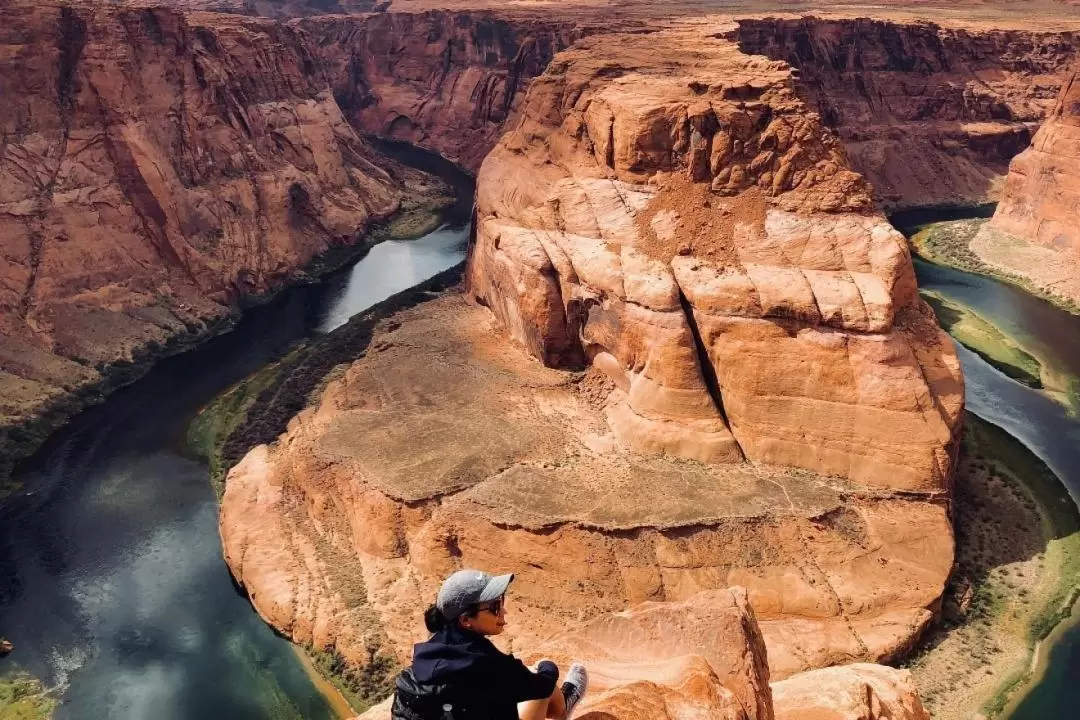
(469, 587)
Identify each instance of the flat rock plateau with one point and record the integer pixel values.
(686, 389)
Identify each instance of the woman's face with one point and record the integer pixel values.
(490, 618)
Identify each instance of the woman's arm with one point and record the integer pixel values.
(521, 683)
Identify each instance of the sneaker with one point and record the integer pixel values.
(577, 682)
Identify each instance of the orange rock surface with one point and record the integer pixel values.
(730, 682)
(446, 446)
(689, 228)
(1035, 232)
(732, 382)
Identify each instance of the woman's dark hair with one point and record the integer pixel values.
(434, 620)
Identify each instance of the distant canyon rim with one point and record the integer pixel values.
(688, 353)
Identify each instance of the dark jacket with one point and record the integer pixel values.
(476, 678)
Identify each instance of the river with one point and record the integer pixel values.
(1039, 422)
(112, 583)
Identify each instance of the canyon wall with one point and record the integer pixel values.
(1035, 232)
(929, 115)
(444, 81)
(155, 168)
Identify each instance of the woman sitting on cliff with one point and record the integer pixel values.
(459, 674)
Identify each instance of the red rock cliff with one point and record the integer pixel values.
(929, 115)
(154, 168)
(444, 81)
(1035, 232)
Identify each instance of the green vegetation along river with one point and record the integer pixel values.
(112, 584)
(1041, 415)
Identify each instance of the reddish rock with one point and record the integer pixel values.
(445, 446)
(852, 692)
(156, 167)
(1035, 232)
(929, 114)
(603, 234)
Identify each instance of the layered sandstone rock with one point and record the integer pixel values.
(155, 168)
(930, 115)
(445, 446)
(689, 227)
(442, 80)
(738, 386)
(854, 692)
(1035, 232)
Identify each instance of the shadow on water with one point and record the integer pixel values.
(112, 584)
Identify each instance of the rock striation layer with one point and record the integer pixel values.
(155, 169)
(689, 228)
(730, 683)
(930, 115)
(1035, 232)
(444, 81)
(444, 446)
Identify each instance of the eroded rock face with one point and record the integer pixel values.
(442, 80)
(446, 446)
(929, 115)
(853, 692)
(155, 168)
(1035, 232)
(690, 228)
(730, 684)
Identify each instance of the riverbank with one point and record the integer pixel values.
(24, 697)
(985, 339)
(1017, 576)
(948, 243)
(418, 215)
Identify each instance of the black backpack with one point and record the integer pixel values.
(420, 701)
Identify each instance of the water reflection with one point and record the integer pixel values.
(1041, 423)
(112, 584)
(393, 266)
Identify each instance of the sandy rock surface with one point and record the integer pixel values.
(691, 229)
(730, 683)
(447, 446)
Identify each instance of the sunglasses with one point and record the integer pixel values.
(495, 608)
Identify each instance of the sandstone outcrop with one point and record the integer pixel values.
(692, 230)
(156, 168)
(854, 692)
(1035, 232)
(930, 115)
(730, 681)
(445, 446)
